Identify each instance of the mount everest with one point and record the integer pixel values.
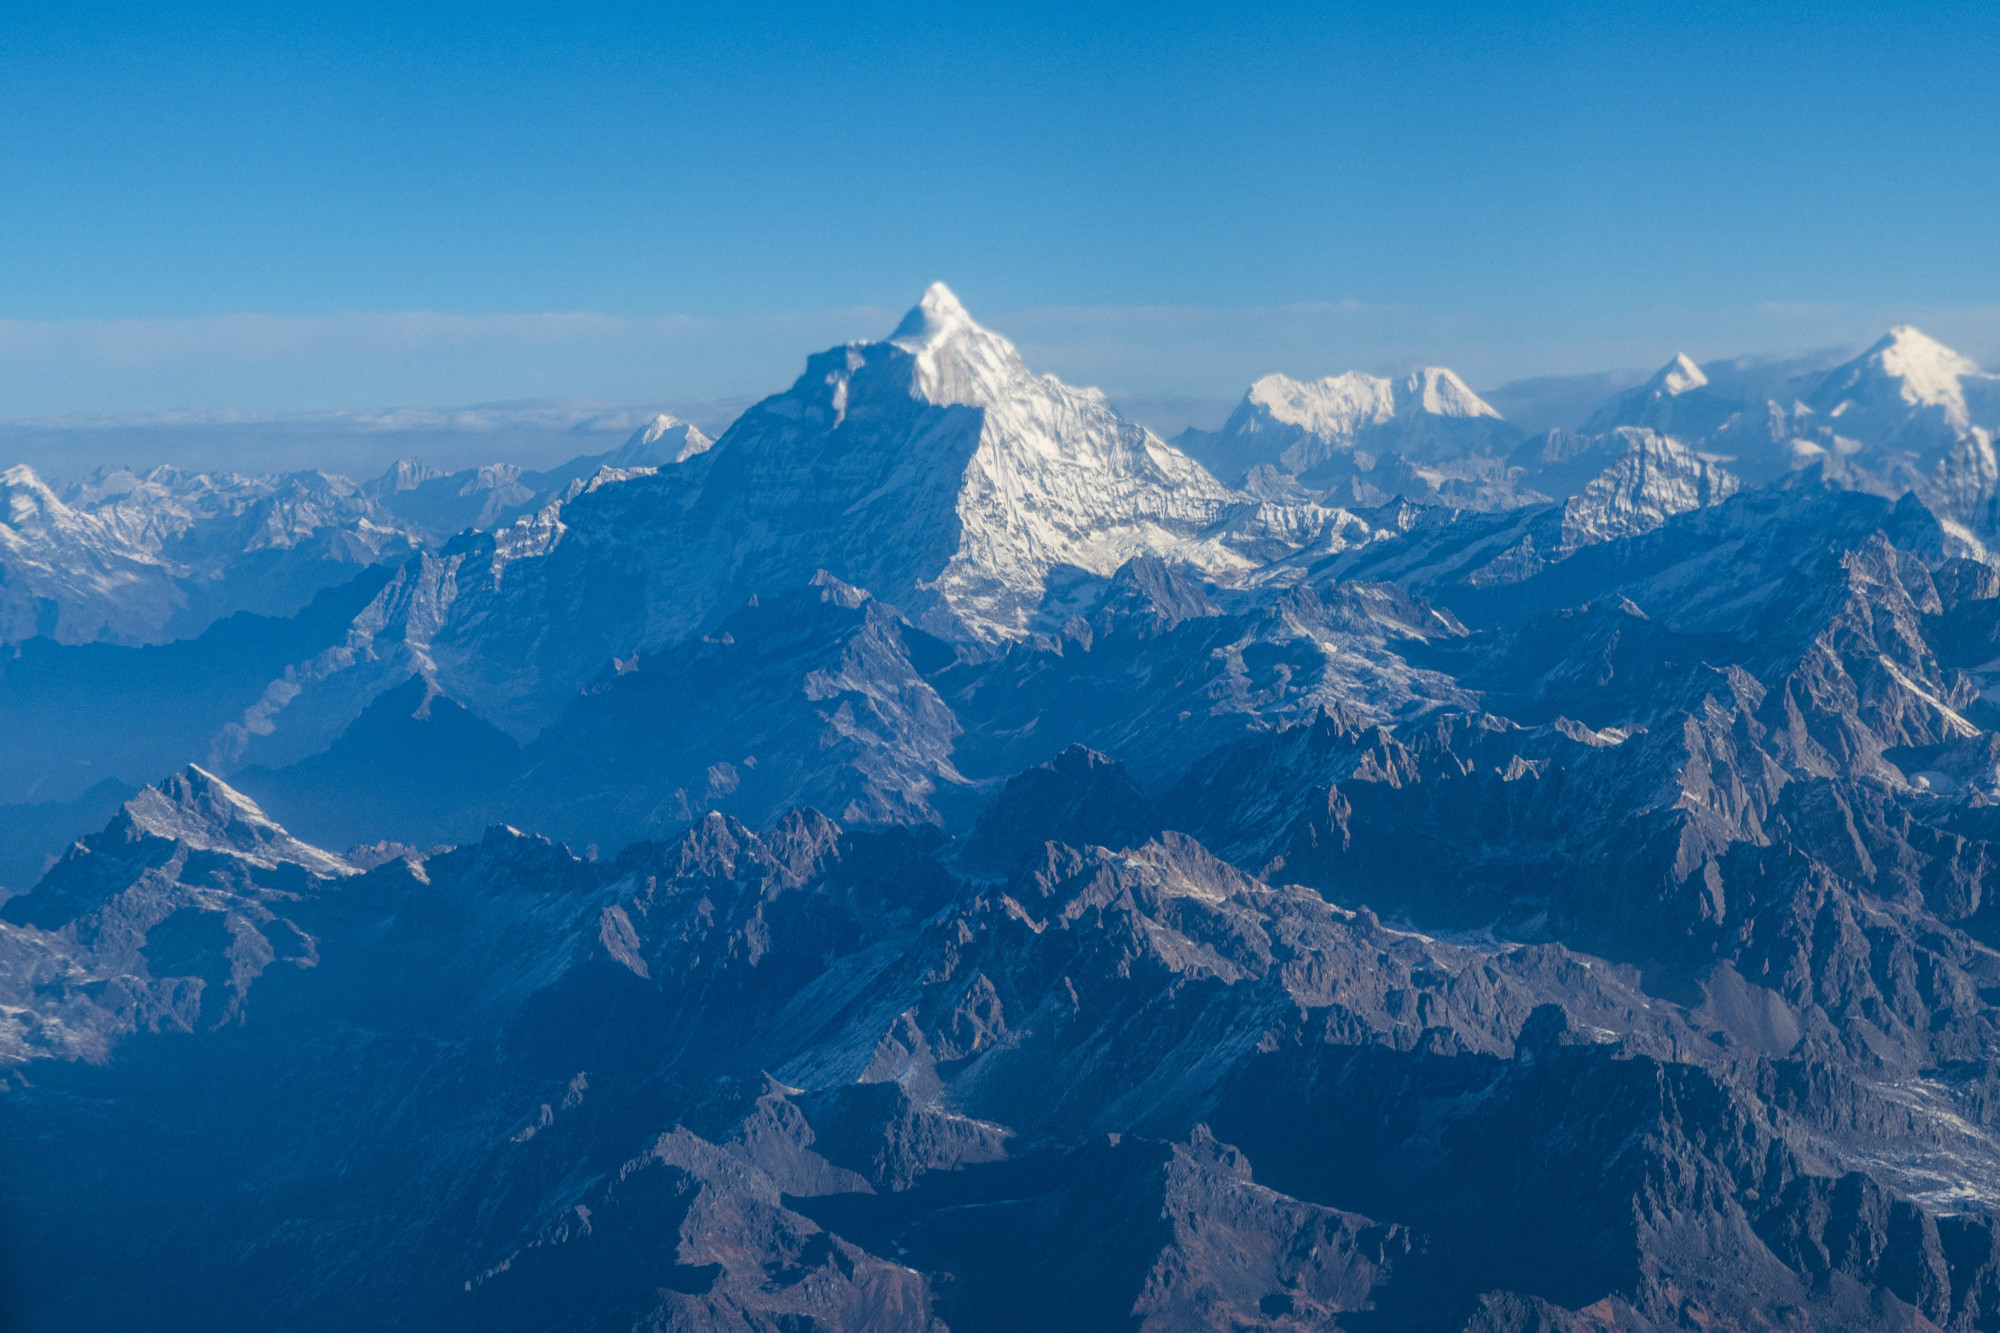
(939, 856)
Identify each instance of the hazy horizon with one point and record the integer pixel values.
(1165, 369)
(276, 211)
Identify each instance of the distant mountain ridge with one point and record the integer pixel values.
(441, 504)
(1327, 429)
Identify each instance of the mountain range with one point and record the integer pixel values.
(939, 856)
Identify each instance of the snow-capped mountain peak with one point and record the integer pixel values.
(958, 361)
(31, 504)
(1340, 405)
(664, 439)
(1343, 424)
(1929, 370)
(932, 468)
(1906, 369)
(1671, 402)
(1677, 377)
(1053, 475)
(1329, 408)
(73, 573)
(936, 316)
(1441, 393)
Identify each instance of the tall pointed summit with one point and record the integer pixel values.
(1677, 400)
(932, 468)
(957, 360)
(1677, 377)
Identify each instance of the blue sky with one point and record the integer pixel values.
(264, 207)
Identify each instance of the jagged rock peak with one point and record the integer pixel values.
(1156, 592)
(198, 809)
(1080, 797)
(1656, 478)
(832, 589)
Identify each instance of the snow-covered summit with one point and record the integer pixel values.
(1340, 406)
(1906, 369)
(664, 439)
(957, 361)
(1350, 422)
(1676, 400)
(1040, 473)
(1677, 377)
(1441, 393)
(1336, 406)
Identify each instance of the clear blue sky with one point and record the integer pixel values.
(1548, 183)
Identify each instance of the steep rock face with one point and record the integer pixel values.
(1652, 481)
(307, 702)
(813, 697)
(1620, 484)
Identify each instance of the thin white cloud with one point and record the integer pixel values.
(254, 338)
